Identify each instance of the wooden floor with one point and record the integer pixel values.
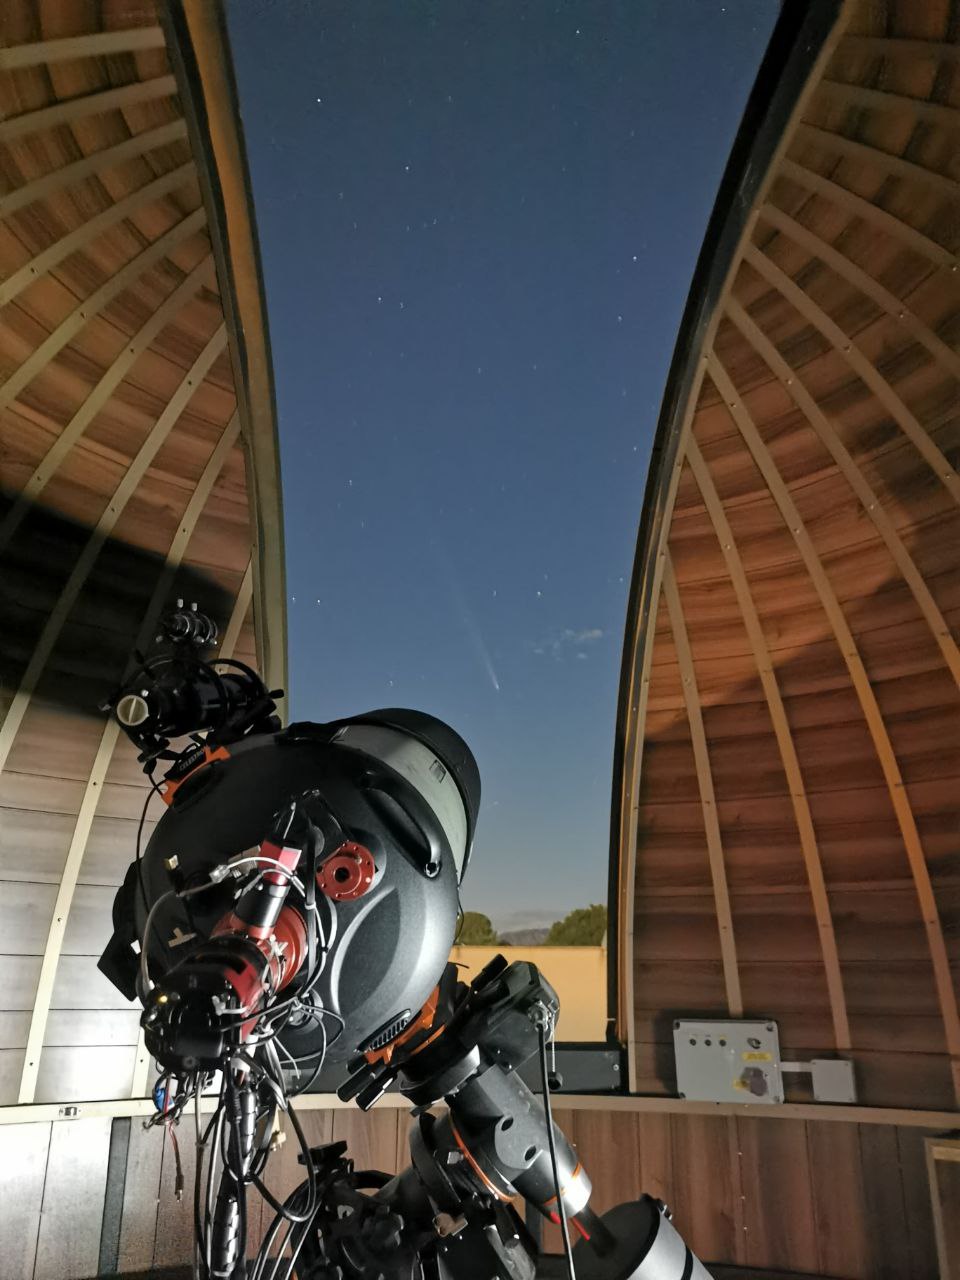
(815, 1198)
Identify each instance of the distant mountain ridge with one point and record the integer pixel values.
(524, 937)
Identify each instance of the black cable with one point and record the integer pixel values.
(319, 1053)
(139, 853)
(295, 1253)
(311, 1174)
(214, 1149)
(239, 1172)
(202, 1241)
(314, 1202)
(197, 1185)
(551, 1142)
(315, 1074)
(280, 1218)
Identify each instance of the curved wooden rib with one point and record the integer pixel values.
(231, 634)
(105, 524)
(868, 703)
(883, 100)
(69, 174)
(202, 275)
(788, 752)
(101, 764)
(637, 675)
(238, 615)
(859, 278)
(91, 104)
(55, 934)
(894, 46)
(894, 165)
(870, 212)
(865, 371)
(90, 229)
(639, 691)
(91, 307)
(854, 477)
(708, 802)
(211, 94)
(95, 45)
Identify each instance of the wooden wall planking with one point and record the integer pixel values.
(141, 1198)
(96, 344)
(23, 1171)
(68, 1242)
(823, 1198)
(813, 1197)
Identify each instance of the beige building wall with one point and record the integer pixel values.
(577, 974)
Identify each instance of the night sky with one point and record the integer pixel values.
(478, 224)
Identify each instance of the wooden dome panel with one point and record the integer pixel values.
(125, 483)
(791, 720)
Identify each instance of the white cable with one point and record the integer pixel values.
(217, 875)
(145, 983)
(288, 1057)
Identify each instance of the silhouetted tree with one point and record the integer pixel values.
(477, 931)
(583, 927)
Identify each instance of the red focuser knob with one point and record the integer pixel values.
(348, 873)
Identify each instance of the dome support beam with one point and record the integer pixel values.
(860, 279)
(91, 307)
(105, 525)
(855, 478)
(833, 192)
(785, 743)
(101, 765)
(708, 800)
(108, 158)
(90, 104)
(860, 364)
(781, 95)
(893, 165)
(87, 231)
(112, 377)
(875, 723)
(94, 45)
